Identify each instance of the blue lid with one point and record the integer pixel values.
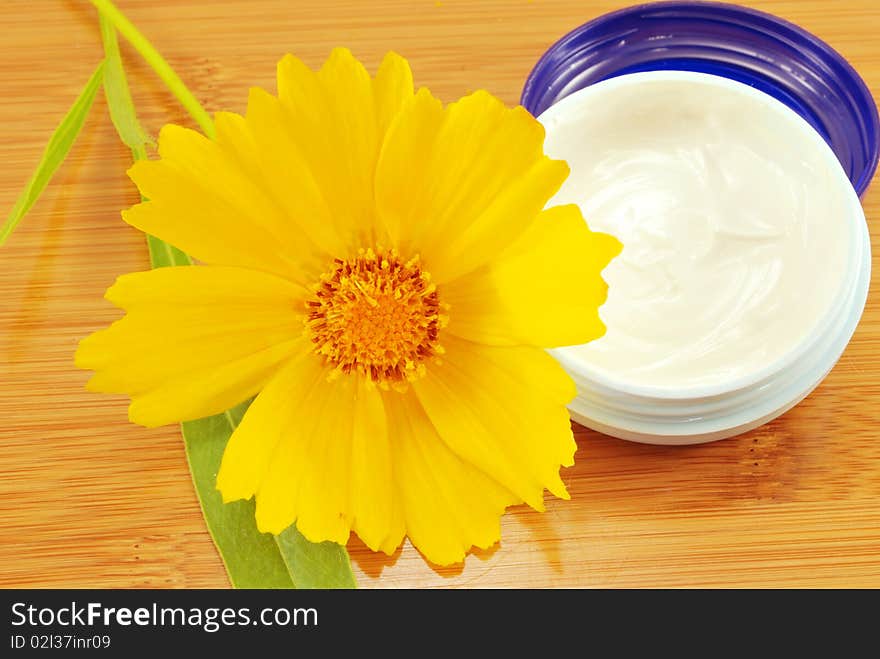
(758, 49)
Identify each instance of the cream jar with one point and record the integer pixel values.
(746, 257)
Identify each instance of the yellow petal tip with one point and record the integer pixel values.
(143, 417)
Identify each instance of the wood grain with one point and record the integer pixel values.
(87, 499)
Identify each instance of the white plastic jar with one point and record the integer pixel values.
(746, 258)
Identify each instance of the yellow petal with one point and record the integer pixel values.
(196, 340)
(400, 192)
(544, 290)
(287, 181)
(286, 188)
(271, 417)
(512, 211)
(330, 468)
(297, 452)
(502, 409)
(203, 199)
(459, 184)
(448, 504)
(372, 501)
(331, 123)
(392, 90)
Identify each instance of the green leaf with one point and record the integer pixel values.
(315, 565)
(164, 254)
(125, 120)
(122, 112)
(252, 559)
(140, 43)
(55, 153)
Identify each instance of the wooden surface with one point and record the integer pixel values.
(87, 499)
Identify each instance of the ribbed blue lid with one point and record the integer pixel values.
(753, 47)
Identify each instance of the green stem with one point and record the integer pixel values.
(158, 63)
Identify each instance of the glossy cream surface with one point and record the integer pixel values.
(731, 218)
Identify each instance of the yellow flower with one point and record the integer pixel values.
(379, 270)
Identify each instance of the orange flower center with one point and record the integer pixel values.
(376, 315)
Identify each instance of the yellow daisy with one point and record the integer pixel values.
(379, 271)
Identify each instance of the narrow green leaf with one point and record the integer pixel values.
(252, 559)
(158, 63)
(54, 154)
(315, 565)
(125, 120)
(164, 254)
(122, 112)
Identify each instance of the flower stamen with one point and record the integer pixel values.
(378, 316)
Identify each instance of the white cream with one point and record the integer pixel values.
(730, 221)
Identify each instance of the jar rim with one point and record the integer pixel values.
(762, 50)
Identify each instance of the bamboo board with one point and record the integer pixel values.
(89, 500)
